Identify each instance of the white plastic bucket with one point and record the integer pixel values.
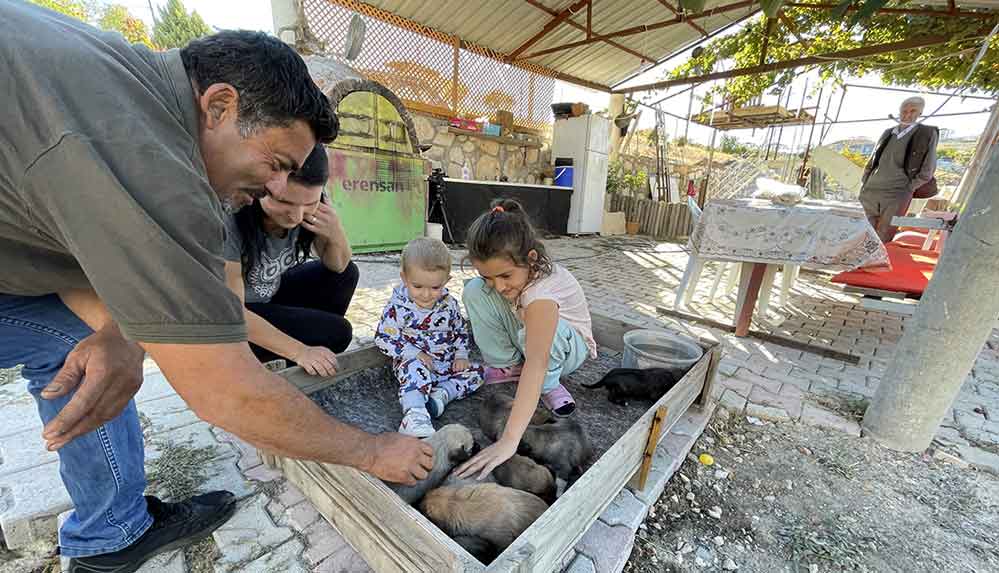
(660, 349)
(435, 231)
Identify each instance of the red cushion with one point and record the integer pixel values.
(911, 270)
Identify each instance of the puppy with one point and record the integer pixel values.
(495, 411)
(453, 444)
(637, 383)
(561, 445)
(481, 549)
(520, 472)
(489, 511)
(558, 443)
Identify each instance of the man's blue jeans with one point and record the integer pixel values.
(102, 470)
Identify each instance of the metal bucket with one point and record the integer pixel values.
(660, 349)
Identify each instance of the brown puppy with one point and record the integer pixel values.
(453, 444)
(523, 473)
(488, 511)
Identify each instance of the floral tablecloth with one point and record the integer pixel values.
(815, 234)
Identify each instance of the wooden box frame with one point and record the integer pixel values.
(392, 536)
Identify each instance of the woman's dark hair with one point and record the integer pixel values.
(250, 220)
(506, 231)
(273, 82)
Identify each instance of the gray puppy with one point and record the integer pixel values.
(487, 511)
(558, 443)
(453, 444)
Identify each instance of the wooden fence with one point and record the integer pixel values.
(655, 218)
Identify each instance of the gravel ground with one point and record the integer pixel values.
(794, 498)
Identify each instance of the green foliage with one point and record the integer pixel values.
(117, 17)
(626, 183)
(176, 27)
(856, 157)
(818, 32)
(960, 156)
(681, 141)
(73, 8)
(731, 144)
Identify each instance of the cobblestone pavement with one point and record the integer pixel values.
(624, 277)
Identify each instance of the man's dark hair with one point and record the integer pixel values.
(315, 170)
(274, 84)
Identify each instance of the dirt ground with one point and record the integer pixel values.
(795, 498)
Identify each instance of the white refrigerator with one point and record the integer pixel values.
(586, 139)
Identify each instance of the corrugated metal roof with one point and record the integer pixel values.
(505, 25)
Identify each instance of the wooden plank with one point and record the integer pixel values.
(367, 356)
(764, 336)
(565, 522)
(749, 290)
(709, 378)
(394, 537)
(874, 292)
(921, 222)
(388, 533)
(497, 138)
(904, 308)
(655, 432)
(661, 210)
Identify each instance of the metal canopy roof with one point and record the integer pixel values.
(644, 32)
(599, 44)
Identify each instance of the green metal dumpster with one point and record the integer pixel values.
(377, 178)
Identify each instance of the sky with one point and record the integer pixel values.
(858, 104)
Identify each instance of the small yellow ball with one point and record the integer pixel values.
(706, 459)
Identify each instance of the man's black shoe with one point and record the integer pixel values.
(175, 525)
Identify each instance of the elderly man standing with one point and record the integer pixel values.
(116, 165)
(903, 161)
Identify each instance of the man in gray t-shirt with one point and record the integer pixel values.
(116, 165)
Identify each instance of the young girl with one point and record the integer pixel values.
(529, 318)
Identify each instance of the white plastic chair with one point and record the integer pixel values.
(695, 265)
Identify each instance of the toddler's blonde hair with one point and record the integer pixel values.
(426, 254)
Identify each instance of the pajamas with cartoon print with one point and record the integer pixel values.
(441, 332)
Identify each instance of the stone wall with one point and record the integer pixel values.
(487, 158)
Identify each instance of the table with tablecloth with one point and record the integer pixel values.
(763, 235)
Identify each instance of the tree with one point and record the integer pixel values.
(73, 8)
(116, 17)
(176, 27)
(730, 144)
(820, 31)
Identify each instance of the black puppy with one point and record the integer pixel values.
(638, 383)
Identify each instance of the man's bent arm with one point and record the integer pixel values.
(87, 307)
(226, 386)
